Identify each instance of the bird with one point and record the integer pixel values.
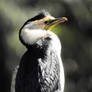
(41, 67)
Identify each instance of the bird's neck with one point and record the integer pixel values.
(42, 46)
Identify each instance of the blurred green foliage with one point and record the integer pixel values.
(75, 36)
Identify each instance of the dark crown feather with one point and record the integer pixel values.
(41, 15)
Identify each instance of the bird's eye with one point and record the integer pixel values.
(49, 21)
(46, 22)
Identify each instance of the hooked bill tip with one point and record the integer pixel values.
(64, 18)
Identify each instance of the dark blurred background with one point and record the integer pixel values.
(75, 35)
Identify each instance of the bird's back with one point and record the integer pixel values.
(27, 77)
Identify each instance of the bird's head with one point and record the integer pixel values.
(37, 27)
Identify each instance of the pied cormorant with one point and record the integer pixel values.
(41, 68)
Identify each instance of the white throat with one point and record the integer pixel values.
(31, 36)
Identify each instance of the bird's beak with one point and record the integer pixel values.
(54, 22)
